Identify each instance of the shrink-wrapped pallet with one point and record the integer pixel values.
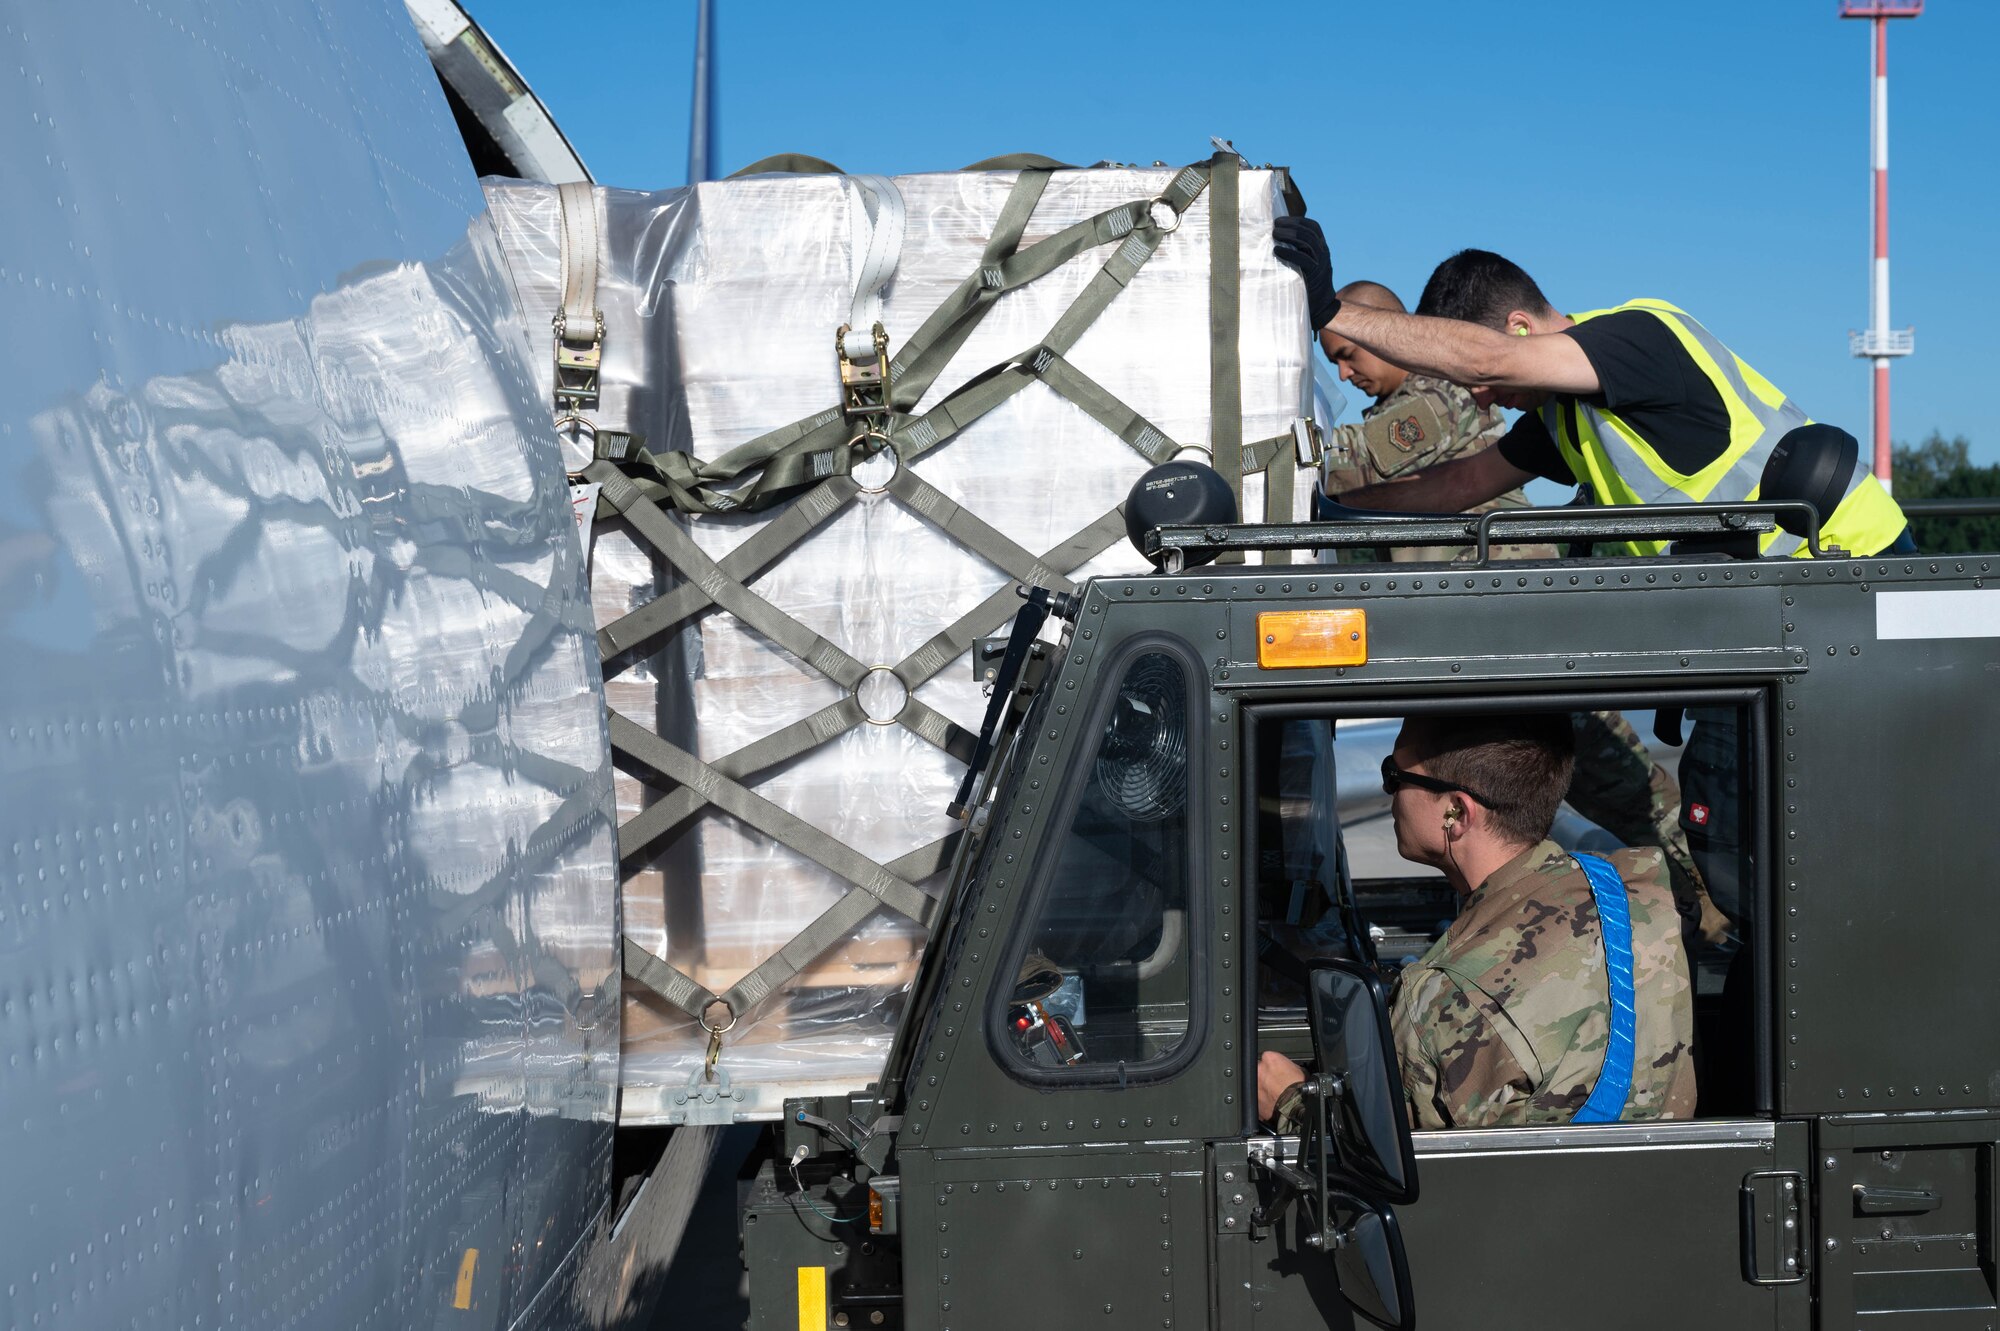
(721, 304)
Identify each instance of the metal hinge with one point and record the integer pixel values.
(1235, 1190)
(1774, 1227)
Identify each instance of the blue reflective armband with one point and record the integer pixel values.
(1614, 918)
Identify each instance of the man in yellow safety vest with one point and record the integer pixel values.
(1639, 402)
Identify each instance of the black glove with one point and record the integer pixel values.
(1299, 242)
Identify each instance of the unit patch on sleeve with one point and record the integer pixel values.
(1407, 433)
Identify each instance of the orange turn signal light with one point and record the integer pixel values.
(1291, 639)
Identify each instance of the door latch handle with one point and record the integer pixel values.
(1871, 1200)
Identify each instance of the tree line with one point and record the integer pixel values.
(1941, 468)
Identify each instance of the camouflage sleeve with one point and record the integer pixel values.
(1289, 1116)
(1458, 1069)
(1401, 440)
(1407, 1022)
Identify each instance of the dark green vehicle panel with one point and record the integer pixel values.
(1889, 869)
(1873, 1021)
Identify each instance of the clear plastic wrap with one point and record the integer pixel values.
(720, 305)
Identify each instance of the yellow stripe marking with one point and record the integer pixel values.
(812, 1298)
(461, 1297)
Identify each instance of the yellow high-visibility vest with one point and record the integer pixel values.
(1623, 468)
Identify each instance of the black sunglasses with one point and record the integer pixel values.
(1393, 776)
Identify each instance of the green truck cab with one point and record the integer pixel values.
(1065, 1134)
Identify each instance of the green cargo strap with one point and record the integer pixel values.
(810, 460)
(796, 164)
(964, 405)
(791, 460)
(962, 525)
(795, 457)
(1261, 454)
(1225, 317)
(833, 926)
(642, 627)
(685, 993)
(637, 834)
(1110, 279)
(931, 347)
(1146, 439)
(926, 860)
(1278, 495)
(926, 501)
(1019, 162)
(747, 806)
(1278, 480)
(666, 536)
(991, 615)
(657, 820)
(928, 350)
(680, 550)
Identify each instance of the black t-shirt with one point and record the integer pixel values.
(1646, 376)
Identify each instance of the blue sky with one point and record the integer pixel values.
(1712, 155)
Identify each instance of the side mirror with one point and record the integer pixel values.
(1361, 1085)
(1369, 1262)
(1370, 1267)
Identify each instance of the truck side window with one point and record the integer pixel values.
(1102, 984)
(1332, 881)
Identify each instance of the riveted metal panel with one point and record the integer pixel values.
(1635, 1230)
(1906, 1219)
(1886, 873)
(1097, 1232)
(307, 982)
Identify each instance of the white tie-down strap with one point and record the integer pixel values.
(580, 246)
(876, 218)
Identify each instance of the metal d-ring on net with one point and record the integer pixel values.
(572, 421)
(873, 442)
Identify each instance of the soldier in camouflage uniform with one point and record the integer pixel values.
(1415, 422)
(1418, 422)
(1503, 1022)
(1507, 1017)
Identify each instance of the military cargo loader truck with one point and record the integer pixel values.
(1065, 1134)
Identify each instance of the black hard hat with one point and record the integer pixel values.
(1177, 494)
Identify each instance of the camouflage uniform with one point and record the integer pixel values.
(1618, 786)
(1424, 422)
(1506, 1018)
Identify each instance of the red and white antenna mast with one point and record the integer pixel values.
(1880, 343)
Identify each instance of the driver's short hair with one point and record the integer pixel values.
(1521, 761)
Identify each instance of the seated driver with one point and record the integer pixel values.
(1507, 1019)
